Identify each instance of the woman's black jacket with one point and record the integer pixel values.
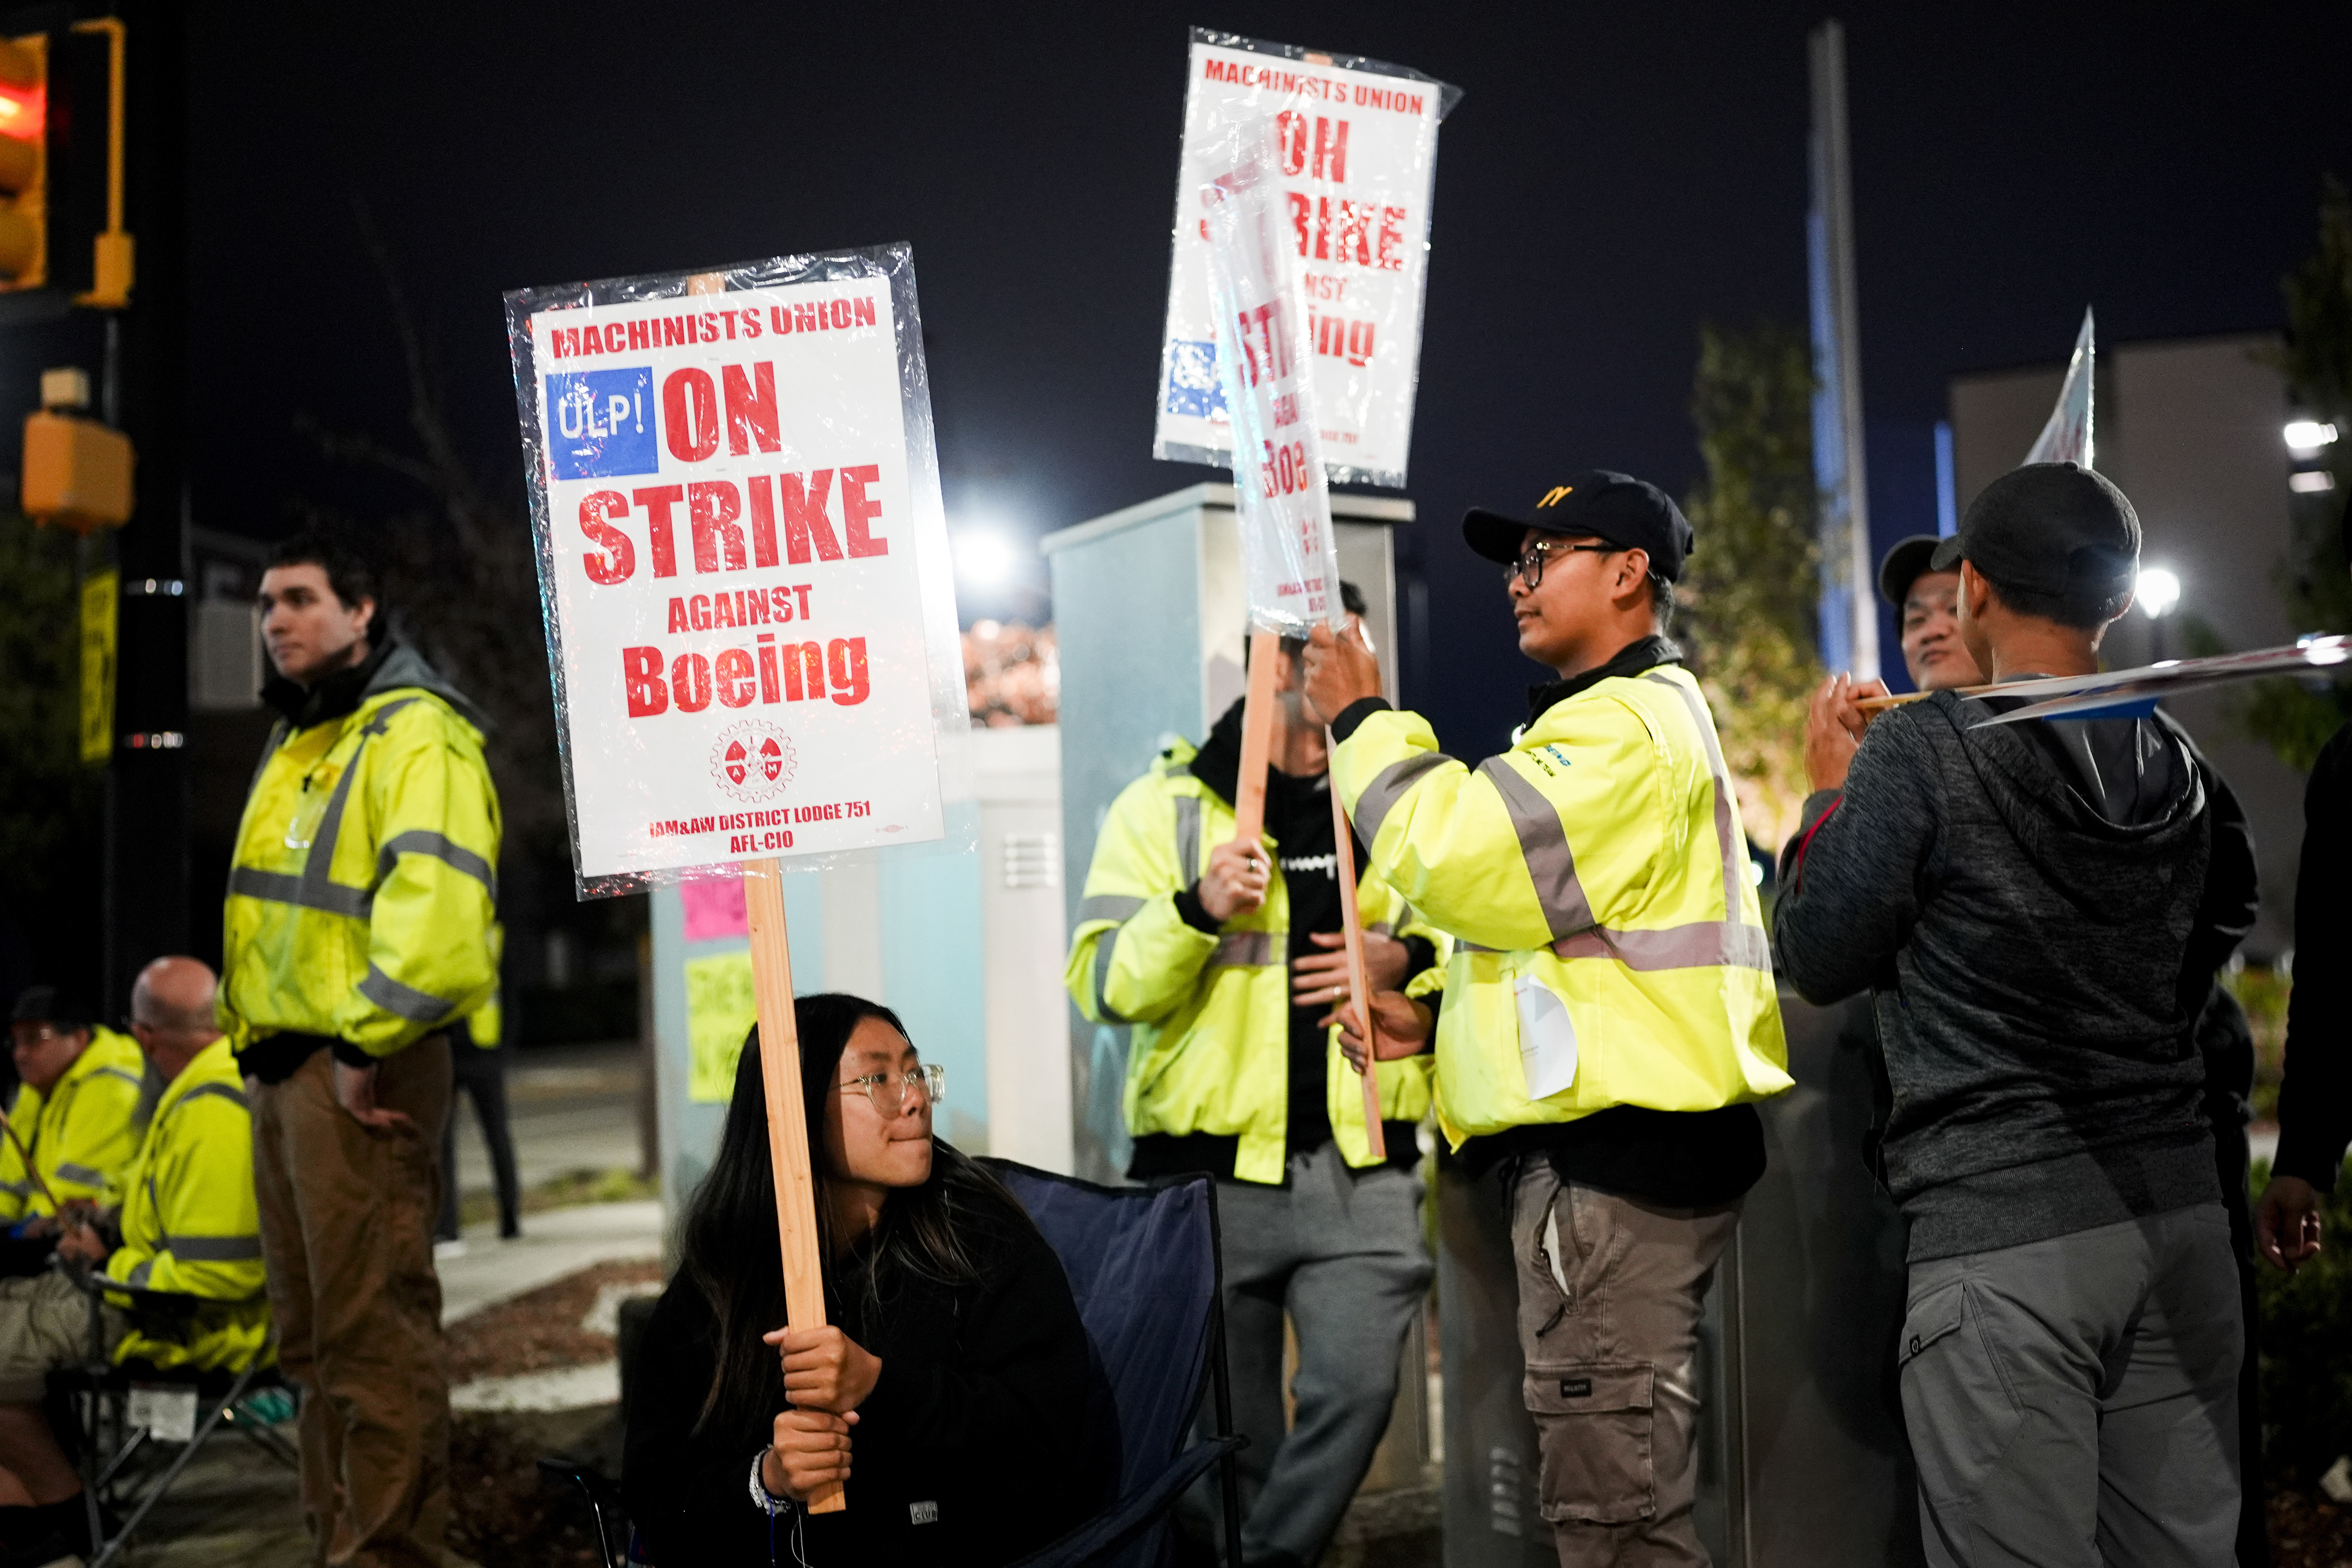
(970, 1450)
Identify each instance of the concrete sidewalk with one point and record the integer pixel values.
(553, 1244)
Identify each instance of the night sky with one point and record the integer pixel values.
(1614, 176)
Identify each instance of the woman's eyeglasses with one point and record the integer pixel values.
(1530, 561)
(888, 1101)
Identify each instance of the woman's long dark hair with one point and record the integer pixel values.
(945, 1231)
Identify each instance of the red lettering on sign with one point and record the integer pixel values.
(689, 683)
(856, 511)
(750, 408)
(639, 337)
(764, 520)
(805, 525)
(711, 508)
(1331, 149)
(733, 672)
(690, 415)
(722, 610)
(677, 622)
(658, 499)
(641, 675)
(1391, 257)
(769, 690)
(698, 611)
(618, 557)
(846, 658)
(804, 659)
(755, 607)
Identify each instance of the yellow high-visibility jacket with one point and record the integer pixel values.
(1211, 1047)
(1601, 858)
(191, 1222)
(361, 896)
(83, 1134)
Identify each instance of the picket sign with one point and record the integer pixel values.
(1290, 561)
(779, 1070)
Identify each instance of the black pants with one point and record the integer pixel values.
(482, 1074)
(2231, 1153)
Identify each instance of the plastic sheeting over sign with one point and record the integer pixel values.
(1290, 561)
(2066, 438)
(744, 563)
(1357, 157)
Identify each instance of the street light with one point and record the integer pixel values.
(983, 558)
(2305, 437)
(2157, 592)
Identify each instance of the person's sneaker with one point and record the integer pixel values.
(445, 1250)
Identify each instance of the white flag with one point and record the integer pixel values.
(2067, 438)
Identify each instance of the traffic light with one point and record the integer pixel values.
(24, 94)
(61, 163)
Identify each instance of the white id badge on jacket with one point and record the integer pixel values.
(1546, 1038)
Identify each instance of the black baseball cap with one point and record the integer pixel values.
(1905, 564)
(51, 1005)
(2049, 527)
(1604, 504)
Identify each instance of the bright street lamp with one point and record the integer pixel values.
(2304, 436)
(983, 558)
(2157, 592)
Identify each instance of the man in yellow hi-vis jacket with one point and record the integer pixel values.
(187, 1224)
(1609, 1010)
(360, 927)
(77, 1113)
(1226, 960)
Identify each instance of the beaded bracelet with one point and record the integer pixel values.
(761, 1498)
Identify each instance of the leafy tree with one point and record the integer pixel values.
(2293, 720)
(1750, 598)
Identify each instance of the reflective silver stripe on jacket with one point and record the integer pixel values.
(403, 1000)
(1386, 788)
(73, 1170)
(234, 1095)
(212, 1248)
(1104, 945)
(1110, 906)
(1188, 839)
(1243, 947)
(441, 847)
(312, 888)
(1543, 845)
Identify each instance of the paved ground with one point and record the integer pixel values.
(574, 1107)
(552, 1243)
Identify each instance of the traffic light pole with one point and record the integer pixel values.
(145, 389)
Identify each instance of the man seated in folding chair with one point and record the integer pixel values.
(189, 1225)
(74, 1126)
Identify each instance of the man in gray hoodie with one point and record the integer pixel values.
(2038, 909)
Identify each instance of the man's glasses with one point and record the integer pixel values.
(1530, 565)
(890, 1101)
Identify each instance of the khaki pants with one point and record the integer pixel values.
(1609, 1308)
(347, 1230)
(45, 1327)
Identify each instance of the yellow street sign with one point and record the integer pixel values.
(101, 594)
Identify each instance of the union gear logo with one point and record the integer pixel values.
(752, 760)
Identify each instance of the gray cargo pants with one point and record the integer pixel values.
(1342, 1252)
(1610, 1295)
(2075, 1401)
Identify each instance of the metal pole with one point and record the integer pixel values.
(1838, 462)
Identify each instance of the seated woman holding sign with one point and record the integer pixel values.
(949, 1388)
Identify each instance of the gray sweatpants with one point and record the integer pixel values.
(1342, 1251)
(2074, 1402)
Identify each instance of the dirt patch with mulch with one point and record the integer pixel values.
(2308, 1530)
(540, 1331)
(503, 1512)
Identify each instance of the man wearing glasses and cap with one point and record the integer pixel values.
(1608, 1013)
(1926, 604)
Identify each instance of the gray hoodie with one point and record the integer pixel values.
(2038, 911)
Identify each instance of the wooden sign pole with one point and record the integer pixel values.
(1258, 738)
(1359, 980)
(788, 1145)
(780, 1068)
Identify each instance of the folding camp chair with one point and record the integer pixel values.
(1143, 1265)
(90, 1406)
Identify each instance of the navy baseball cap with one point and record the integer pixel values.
(1905, 564)
(49, 1004)
(2049, 527)
(1601, 504)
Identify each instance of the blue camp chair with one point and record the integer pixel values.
(1143, 1265)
